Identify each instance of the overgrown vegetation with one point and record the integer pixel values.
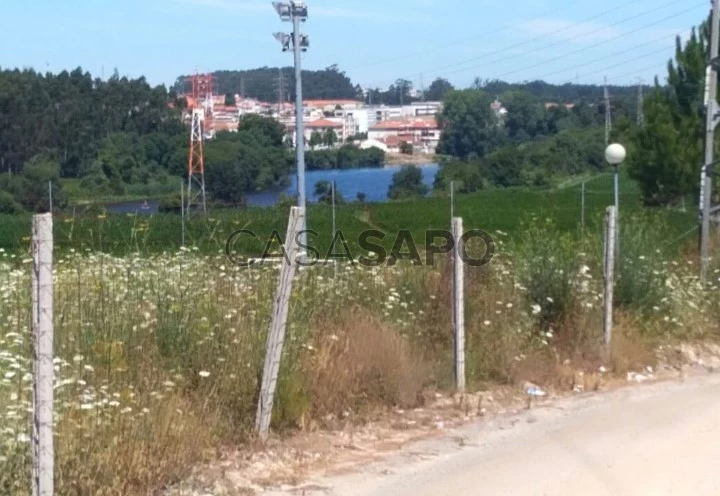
(159, 358)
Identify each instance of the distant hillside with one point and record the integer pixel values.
(565, 93)
(264, 84)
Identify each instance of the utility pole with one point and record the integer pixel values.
(296, 11)
(281, 93)
(608, 118)
(711, 121)
(640, 109)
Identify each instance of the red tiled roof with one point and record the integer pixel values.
(327, 103)
(413, 123)
(225, 108)
(323, 123)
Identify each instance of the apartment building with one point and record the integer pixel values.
(422, 132)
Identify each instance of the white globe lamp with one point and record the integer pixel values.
(615, 154)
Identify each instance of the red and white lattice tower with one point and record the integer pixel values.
(202, 127)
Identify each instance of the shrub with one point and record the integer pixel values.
(640, 273)
(548, 262)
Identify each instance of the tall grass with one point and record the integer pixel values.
(159, 356)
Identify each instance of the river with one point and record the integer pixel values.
(373, 181)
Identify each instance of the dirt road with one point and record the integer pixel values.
(649, 440)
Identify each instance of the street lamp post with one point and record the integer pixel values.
(296, 12)
(615, 154)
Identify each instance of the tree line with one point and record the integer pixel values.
(116, 136)
(268, 84)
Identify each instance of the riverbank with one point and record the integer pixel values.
(399, 159)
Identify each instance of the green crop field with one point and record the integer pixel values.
(503, 210)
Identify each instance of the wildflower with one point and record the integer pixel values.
(204, 373)
(536, 309)
(487, 323)
(550, 300)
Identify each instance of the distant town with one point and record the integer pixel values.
(411, 128)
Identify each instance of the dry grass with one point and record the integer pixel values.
(630, 350)
(360, 362)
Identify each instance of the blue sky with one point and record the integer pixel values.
(374, 41)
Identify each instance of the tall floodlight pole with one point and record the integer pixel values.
(711, 121)
(296, 12)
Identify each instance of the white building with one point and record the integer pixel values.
(370, 143)
(421, 132)
(380, 113)
(418, 109)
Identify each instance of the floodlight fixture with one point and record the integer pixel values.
(299, 10)
(284, 40)
(304, 42)
(290, 10)
(284, 10)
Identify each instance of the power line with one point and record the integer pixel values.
(642, 28)
(459, 41)
(614, 66)
(609, 56)
(502, 51)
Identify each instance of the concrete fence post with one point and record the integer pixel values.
(278, 324)
(609, 272)
(458, 304)
(43, 368)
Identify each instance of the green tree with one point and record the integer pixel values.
(438, 89)
(316, 139)
(468, 124)
(526, 117)
(252, 159)
(323, 193)
(465, 175)
(330, 138)
(407, 183)
(406, 148)
(667, 152)
(36, 178)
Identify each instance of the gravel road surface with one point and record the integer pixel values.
(649, 440)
